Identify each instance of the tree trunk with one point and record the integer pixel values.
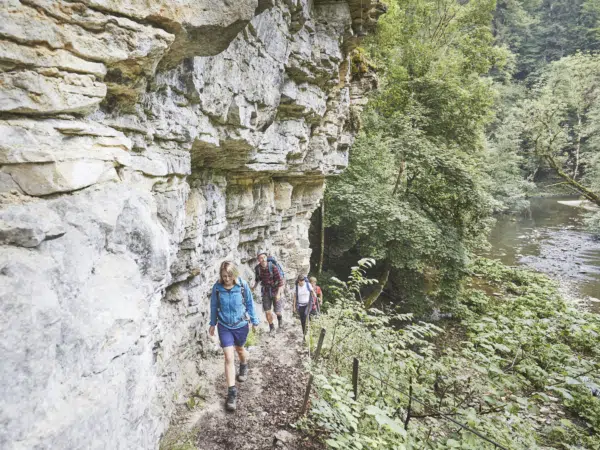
(322, 246)
(408, 409)
(383, 279)
(578, 147)
(399, 179)
(591, 196)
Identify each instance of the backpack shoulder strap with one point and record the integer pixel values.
(308, 285)
(243, 289)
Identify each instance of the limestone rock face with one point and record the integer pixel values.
(141, 144)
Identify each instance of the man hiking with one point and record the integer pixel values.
(269, 274)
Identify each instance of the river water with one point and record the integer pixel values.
(550, 237)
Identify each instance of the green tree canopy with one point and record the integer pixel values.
(542, 31)
(413, 196)
(557, 124)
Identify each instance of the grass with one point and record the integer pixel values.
(252, 338)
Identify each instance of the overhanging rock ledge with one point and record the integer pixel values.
(141, 143)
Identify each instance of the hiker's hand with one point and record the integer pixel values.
(211, 331)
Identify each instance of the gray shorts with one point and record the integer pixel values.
(269, 300)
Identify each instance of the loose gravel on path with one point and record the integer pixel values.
(268, 402)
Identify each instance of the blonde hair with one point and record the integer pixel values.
(230, 268)
(311, 279)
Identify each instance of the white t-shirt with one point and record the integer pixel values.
(303, 295)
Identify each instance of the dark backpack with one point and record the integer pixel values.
(243, 290)
(271, 261)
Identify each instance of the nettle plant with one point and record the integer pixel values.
(542, 348)
(492, 378)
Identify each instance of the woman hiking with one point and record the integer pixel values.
(303, 300)
(232, 307)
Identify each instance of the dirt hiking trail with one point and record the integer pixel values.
(268, 402)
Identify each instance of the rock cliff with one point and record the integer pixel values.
(142, 143)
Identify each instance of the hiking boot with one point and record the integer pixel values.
(280, 322)
(243, 373)
(231, 399)
(272, 328)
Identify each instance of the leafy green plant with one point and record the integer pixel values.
(522, 372)
(253, 337)
(593, 223)
(361, 63)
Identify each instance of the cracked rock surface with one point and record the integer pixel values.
(141, 144)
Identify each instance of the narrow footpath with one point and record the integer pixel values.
(267, 403)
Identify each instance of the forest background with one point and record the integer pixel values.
(480, 105)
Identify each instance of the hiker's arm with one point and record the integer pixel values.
(277, 282)
(250, 305)
(213, 311)
(256, 278)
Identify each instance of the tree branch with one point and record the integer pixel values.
(588, 194)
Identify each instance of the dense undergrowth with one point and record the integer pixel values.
(517, 363)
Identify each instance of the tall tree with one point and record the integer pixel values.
(542, 31)
(559, 124)
(412, 196)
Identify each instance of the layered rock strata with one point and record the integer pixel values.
(142, 143)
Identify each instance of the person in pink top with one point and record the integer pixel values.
(319, 293)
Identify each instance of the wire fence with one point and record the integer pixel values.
(356, 369)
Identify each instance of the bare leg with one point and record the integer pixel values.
(242, 354)
(279, 305)
(269, 317)
(229, 366)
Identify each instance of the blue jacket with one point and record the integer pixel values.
(231, 311)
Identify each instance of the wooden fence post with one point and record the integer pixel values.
(310, 378)
(355, 378)
(319, 345)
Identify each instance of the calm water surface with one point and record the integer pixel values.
(551, 238)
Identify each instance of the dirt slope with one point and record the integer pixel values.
(267, 403)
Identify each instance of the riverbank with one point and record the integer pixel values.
(551, 238)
